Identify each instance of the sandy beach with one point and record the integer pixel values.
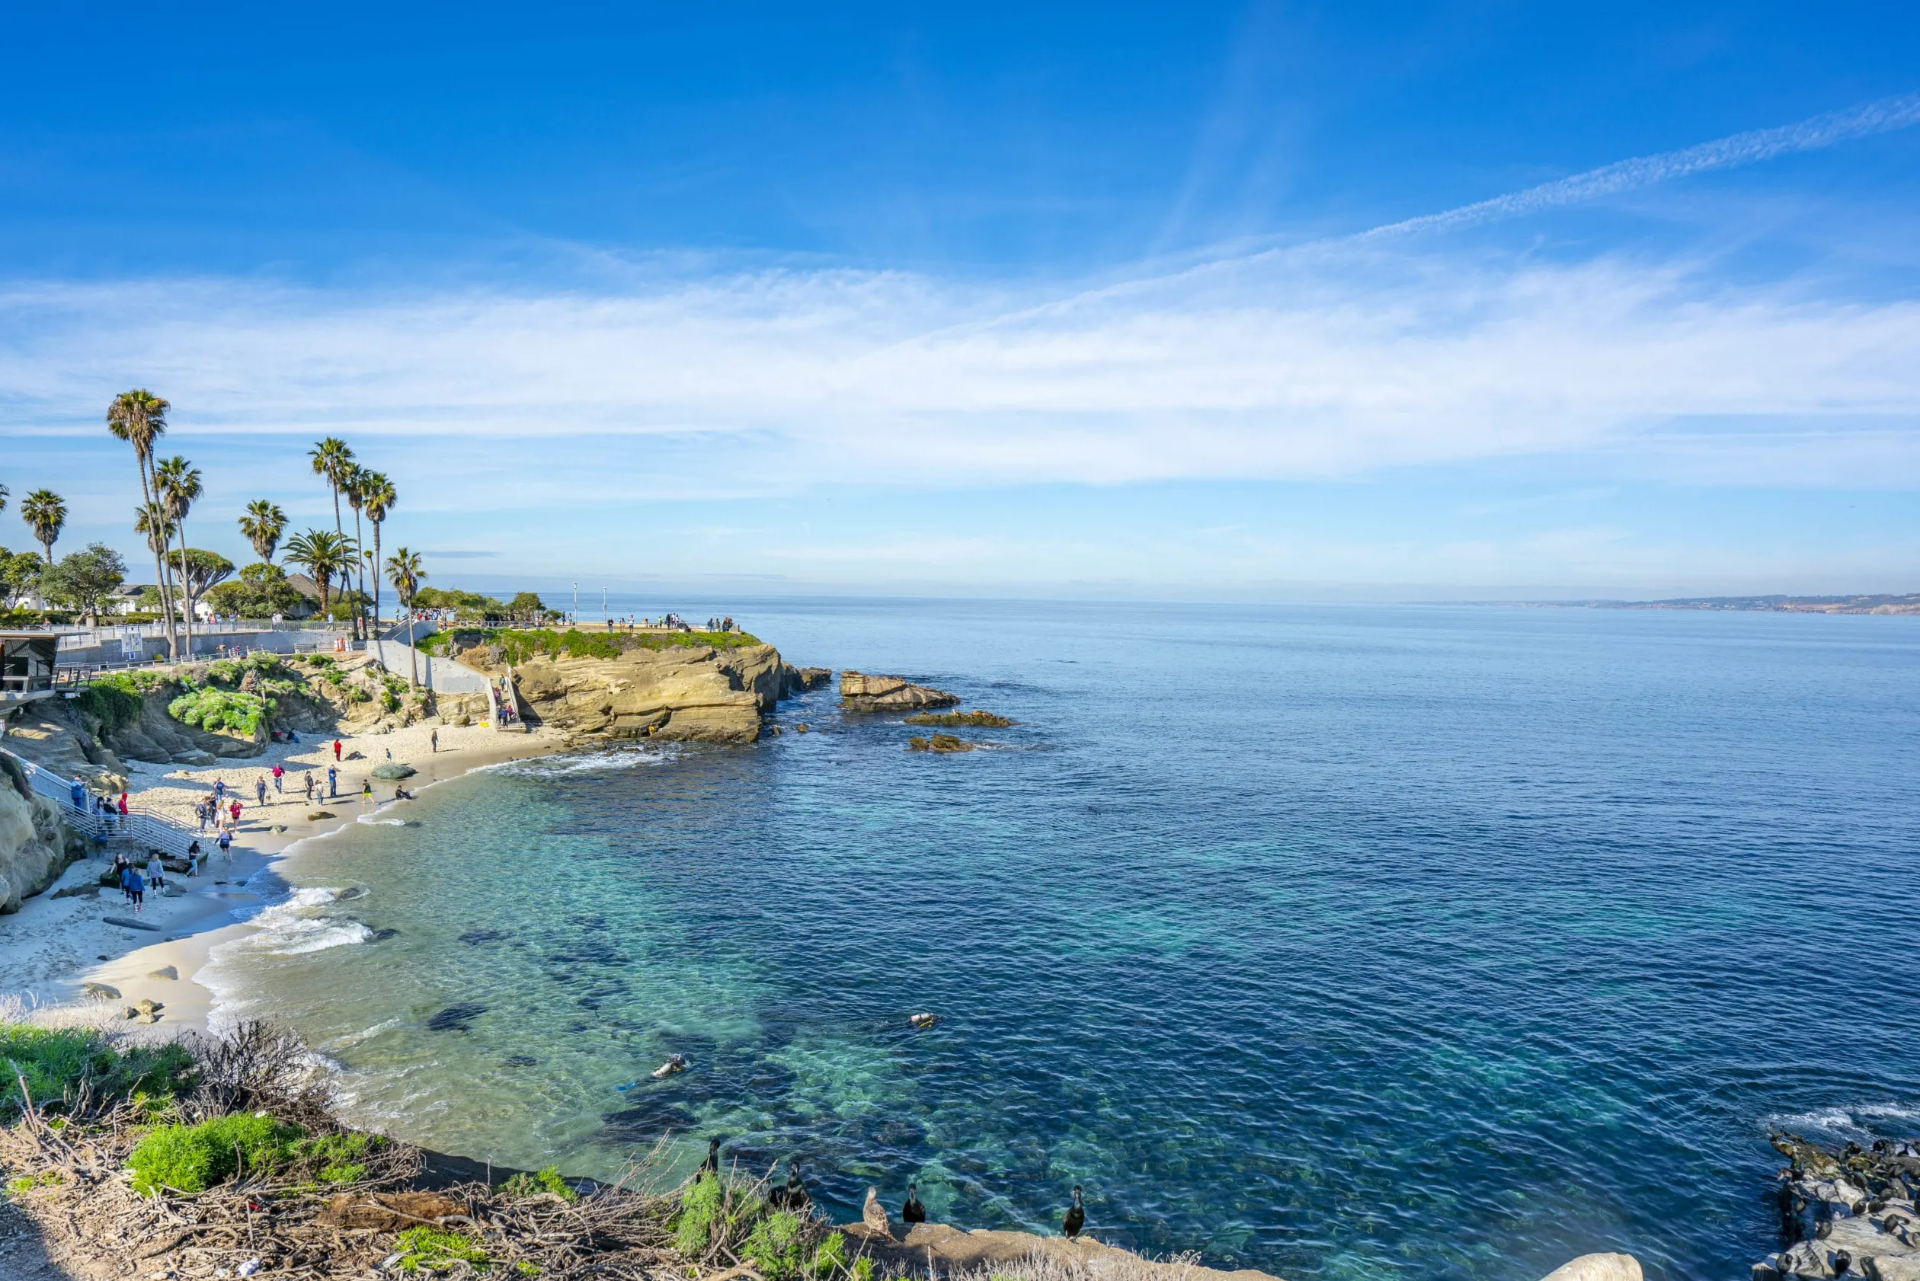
(61, 939)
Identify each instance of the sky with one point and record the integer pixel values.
(1421, 301)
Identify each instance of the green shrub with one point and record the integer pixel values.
(113, 700)
(434, 1248)
(358, 695)
(318, 660)
(28, 1182)
(773, 1247)
(192, 1158)
(57, 1061)
(863, 1269)
(342, 1157)
(702, 1208)
(543, 1181)
(831, 1258)
(214, 709)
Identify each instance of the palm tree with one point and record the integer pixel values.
(403, 569)
(3, 498)
(46, 512)
(322, 555)
(376, 493)
(139, 417)
(333, 460)
(355, 492)
(151, 522)
(177, 484)
(262, 526)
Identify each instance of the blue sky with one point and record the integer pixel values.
(1162, 300)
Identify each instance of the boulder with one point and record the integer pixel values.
(393, 771)
(34, 846)
(677, 692)
(800, 680)
(1598, 1267)
(860, 692)
(99, 992)
(164, 972)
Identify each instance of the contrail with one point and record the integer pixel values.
(1863, 121)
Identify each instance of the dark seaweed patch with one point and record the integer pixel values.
(521, 1060)
(456, 1018)
(474, 938)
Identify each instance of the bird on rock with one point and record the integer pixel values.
(712, 1164)
(796, 1198)
(874, 1215)
(1076, 1215)
(913, 1211)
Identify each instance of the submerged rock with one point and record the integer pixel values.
(456, 1018)
(939, 743)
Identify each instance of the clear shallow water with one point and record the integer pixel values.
(1342, 942)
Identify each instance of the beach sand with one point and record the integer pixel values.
(54, 944)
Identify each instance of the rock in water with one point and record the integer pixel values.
(393, 771)
(164, 972)
(1598, 1267)
(862, 693)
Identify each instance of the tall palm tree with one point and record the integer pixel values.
(355, 492)
(46, 512)
(3, 498)
(151, 522)
(262, 526)
(403, 569)
(333, 460)
(322, 555)
(177, 485)
(139, 417)
(376, 494)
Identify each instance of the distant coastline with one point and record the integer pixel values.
(1908, 604)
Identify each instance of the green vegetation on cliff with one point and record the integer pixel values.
(517, 645)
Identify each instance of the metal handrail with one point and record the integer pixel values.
(139, 824)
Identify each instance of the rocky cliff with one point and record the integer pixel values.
(35, 846)
(680, 692)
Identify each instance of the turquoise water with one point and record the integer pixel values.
(1347, 942)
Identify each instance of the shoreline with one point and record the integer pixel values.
(58, 941)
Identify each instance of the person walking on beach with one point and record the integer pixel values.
(434, 739)
(226, 845)
(234, 810)
(309, 778)
(219, 790)
(366, 794)
(194, 857)
(279, 777)
(260, 789)
(336, 749)
(136, 891)
(126, 877)
(333, 782)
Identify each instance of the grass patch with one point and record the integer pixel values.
(981, 720)
(192, 1158)
(517, 645)
(342, 1158)
(59, 1063)
(436, 1248)
(28, 1182)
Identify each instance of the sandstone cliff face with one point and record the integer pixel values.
(33, 843)
(681, 692)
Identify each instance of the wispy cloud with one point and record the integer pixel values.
(1377, 351)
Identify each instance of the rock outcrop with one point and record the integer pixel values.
(53, 733)
(952, 1251)
(1848, 1212)
(679, 692)
(1598, 1267)
(35, 846)
(860, 692)
(802, 680)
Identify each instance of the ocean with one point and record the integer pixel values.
(1345, 942)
